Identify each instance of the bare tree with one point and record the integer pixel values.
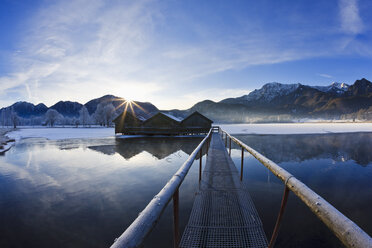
(14, 118)
(109, 111)
(51, 117)
(84, 116)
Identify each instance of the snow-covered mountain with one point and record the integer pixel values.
(27, 112)
(271, 90)
(274, 101)
(338, 88)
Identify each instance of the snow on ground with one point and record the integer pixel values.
(159, 136)
(296, 128)
(270, 128)
(61, 133)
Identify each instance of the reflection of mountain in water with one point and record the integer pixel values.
(340, 147)
(158, 147)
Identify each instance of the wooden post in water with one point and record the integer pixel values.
(280, 215)
(176, 229)
(230, 148)
(241, 165)
(208, 146)
(200, 163)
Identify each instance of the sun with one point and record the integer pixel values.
(128, 107)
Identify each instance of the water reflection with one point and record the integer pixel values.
(336, 166)
(339, 147)
(84, 193)
(66, 194)
(158, 147)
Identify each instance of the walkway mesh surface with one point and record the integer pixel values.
(223, 214)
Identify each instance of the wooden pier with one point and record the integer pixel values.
(223, 214)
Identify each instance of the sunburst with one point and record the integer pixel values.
(128, 103)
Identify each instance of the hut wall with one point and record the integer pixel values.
(129, 121)
(196, 121)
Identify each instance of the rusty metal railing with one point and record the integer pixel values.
(135, 234)
(345, 230)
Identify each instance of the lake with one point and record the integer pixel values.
(85, 192)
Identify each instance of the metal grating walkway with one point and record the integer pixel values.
(223, 214)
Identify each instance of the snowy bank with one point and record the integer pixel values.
(5, 142)
(61, 133)
(296, 128)
(6, 147)
(158, 136)
(272, 128)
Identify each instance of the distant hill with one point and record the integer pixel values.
(273, 102)
(144, 109)
(28, 112)
(284, 102)
(67, 108)
(26, 109)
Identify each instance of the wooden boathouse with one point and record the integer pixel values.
(162, 124)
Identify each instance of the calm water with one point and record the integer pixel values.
(85, 192)
(336, 166)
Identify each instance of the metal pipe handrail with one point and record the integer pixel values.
(141, 227)
(350, 234)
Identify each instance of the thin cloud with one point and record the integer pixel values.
(77, 50)
(351, 23)
(83, 54)
(325, 75)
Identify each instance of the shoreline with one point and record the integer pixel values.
(62, 133)
(297, 128)
(5, 142)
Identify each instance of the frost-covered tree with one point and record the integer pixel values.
(65, 120)
(6, 120)
(2, 117)
(14, 118)
(99, 114)
(109, 111)
(84, 116)
(51, 117)
(35, 121)
(76, 122)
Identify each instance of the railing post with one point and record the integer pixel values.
(208, 145)
(225, 139)
(200, 163)
(241, 165)
(280, 215)
(176, 230)
(230, 147)
(142, 226)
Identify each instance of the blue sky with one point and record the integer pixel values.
(176, 53)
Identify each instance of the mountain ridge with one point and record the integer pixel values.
(272, 102)
(29, 113)
(285, 102)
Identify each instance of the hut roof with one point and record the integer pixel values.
(172, 117)
(198, 114)
(127, 113)
(168, 116)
